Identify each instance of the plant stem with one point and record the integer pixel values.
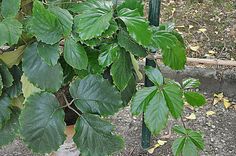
(183, 122)
(68, 104)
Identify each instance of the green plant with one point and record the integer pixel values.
(91, 48)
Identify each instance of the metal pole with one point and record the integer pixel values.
(154, 18)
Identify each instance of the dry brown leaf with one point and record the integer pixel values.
(209, 113)
(202, 30)
(192, 116)
(217, 98)
(227, 104)
(194, 48)
(158, 144)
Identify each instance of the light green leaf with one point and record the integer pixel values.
(136, 67)
(10, 8)
(133, 5)
(125, 41)
(111, 30)
(156, 113)
(12, 57)
(95, 95)
(121, 70)
(95, 137)
(154, 75)
(79, 8)
(142, 99)
(108, 55)
(173, 95)
(39, 73)
(191, 83)
(11, 129)
(65, 18)
(180, 130)
(5, 111)
(177, 146)
(94, 21)
(45, 25)
(75, 54)
(197, 139)
(7, 78)
(194, 98)
(173, 52)
(27, 87)
(49, 53)
(137, 26)
(10, 31)
(42, 123)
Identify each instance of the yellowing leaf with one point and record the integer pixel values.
(136, 67)
(192, 116)
(158, 144)
(13, 57)
(211, 52)
(202, 30)
(227, 104)
(217, 98)
(209, 113)
(194, 48)
(190, 26)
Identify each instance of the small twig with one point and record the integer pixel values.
(183, 122)
(68, 104)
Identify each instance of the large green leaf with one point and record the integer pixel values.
(65, 18)
(177, 146)
(10, 8)
(194, 98)
(95, 20)
(137, 26)
(133, 5)
(95, 95)
(121, 70)
(79, 8)
(108, 55)
(156, 113)
(142, 99)
(75, 54)
(173, 51)
(129, 91)
(7, 78)
(10, 31)
(11, 129)
(173, 95)
(45, 25)
(189, 149)
(27, 87)
(93, 64)
(39, 73)
(154, 75)
(42, 123)
(125, 41)
(49, 53)
(111, 30)
(5, 111)
(95, 137)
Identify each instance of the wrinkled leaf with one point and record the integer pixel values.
(10, 8)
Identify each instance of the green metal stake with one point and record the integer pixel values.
(154, 18)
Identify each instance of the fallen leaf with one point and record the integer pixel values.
(209, 113)
(212, 52)
(217, 98)
(227, 104)
(192, 116)
(186, 104)
(194, 48)
(180, 26)
(202, 30)
(190, 26)
(158, 144)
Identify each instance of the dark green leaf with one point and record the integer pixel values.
(121, 70)
(129, 91)
(11, 129)
(1, 85)
(191, 83)
(7, 78)
(42, 123)
(177, 146)
(65, 18)
(125, 41)
(79, 8)
(45, 25)
(39, 73)
(75, 54)
(180, 130)
(173, 95)
(133, 5)
(189, 148)
(95, 95)
(108, 55)
(142, 99)
(173, 52)
(156, 113)
(10, 31)
(197, 139)
(95, 20)
(5, 111)
(154, 75)
(49, 53)
(10, 8)
(93, 64)
(95, 137)
(136, 25)
(111, 30)
(68, 71)
(194, 98)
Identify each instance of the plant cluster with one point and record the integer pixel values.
(92, 48)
